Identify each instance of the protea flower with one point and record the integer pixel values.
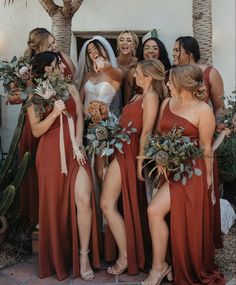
(161, 157)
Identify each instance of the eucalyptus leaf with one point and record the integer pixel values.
(176, 177)
(184, 180)
(197, 172)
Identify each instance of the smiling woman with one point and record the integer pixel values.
(127, 44)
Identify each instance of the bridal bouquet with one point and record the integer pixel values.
(95, 112)
(173, 153)
(47, 91)
(108, 135)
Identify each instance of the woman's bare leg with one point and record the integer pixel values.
(109, 198)
(157, 210)
(100, 165)
(83, 189)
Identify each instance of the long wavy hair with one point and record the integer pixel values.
(37, 42)
(163, 57)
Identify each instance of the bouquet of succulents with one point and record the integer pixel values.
(15, 74)
(47, 91)
(108, 135)
(173, 153)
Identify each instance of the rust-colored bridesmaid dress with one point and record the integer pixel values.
(191, 223)
(217, 235)
(58, 233)
(134, 201)
(29, 200)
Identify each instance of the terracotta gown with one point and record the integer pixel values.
(58, 235)
(216, 213)
(29, 200)
(191, 219)
(134, 201)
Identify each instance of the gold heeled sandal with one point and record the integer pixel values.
(157, 277)
(111, 270)
(87, 275)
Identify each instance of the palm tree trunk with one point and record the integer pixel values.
(61, 29)
(202, 28)
(61, 20)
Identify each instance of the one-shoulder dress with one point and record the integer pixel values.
(191, 223)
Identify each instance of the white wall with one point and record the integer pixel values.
(172, 18)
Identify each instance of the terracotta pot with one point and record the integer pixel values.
(3, 228)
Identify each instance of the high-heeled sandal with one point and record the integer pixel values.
(87, 275)
(110, 270)
(157, 277)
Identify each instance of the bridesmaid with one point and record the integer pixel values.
(186, 51)
(127, 44)
(123, 171)
(39, 40)
(190, 205)
(65, 184)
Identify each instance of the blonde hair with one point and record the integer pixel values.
(155, 68)
(134, 38)
(189, 77)
(37, 42)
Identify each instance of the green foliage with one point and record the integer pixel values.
(226, 152)
(174, 153)
(107, 135)
(16, 71)
(226, 155)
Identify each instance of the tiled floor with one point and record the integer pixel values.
(27, 274)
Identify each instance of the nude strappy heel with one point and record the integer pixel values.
(159, 276)
(110, 270)
(87, 275)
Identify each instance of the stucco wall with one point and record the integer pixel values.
(172, 18)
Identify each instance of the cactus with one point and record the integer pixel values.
(7, 195)
(24, 164)
(6, 198)
(7, 165)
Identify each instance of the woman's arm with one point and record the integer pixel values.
(39, 127)
(114, 73)
(157, 128)
(206, 130)
(79, 113)
(69, 62)
(150, 110)
(129, 84)
(79, 127)
(216, 91)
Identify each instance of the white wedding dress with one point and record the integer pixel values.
(102, 91)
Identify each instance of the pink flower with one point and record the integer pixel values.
(24, 72)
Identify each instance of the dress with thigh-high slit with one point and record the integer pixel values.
(134, 201)
(29, 201)
(58, 232)
(191, 222)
